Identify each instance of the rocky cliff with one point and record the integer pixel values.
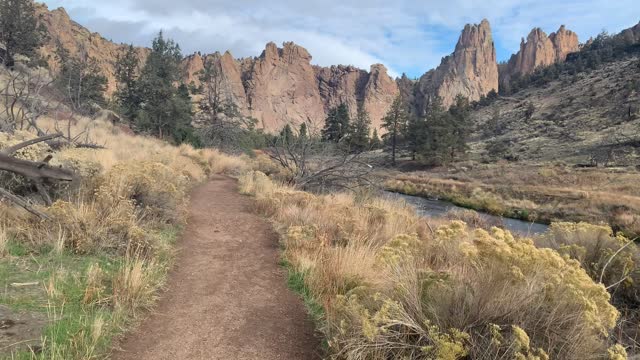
(471, 71)
(79, 41)
(281, 86)
(540, 50)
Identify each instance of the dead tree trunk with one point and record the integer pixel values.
(37, 172)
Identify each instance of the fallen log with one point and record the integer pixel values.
(22, 203)
(36, 171)
(12, 149)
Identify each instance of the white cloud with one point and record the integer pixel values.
(406, 35)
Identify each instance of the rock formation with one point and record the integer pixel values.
(471, 71)
(540, 50)
(631, 35)
(278, 87)
(281, 86)
(79, 41)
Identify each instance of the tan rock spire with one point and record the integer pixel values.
(541, 50)
(471, 71)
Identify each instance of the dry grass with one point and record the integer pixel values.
(109, 239)
(395, 286)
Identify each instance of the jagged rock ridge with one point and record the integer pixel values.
(281, 86)
(540, 50)
(471, 71)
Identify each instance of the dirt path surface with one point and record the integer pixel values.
(226, 297)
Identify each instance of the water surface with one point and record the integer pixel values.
(438, 208)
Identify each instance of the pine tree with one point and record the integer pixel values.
(359, 136)
(375, 142)
(445, 132)
(19, 30)
(460, 126)
(336, 125)
(395, 122)
(286, 135)
(126, 71)
(415, 135)
(303, 133)
(165, 109)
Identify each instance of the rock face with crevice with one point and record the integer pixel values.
(471, 71)
(540, 50)
(282, 87)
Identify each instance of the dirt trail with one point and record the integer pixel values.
(226, 297)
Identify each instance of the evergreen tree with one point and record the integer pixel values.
(182, 113)
(126, 71)
(445, 132)
(460, 125)
(415, 135)
(375, 142)
(19, 30)
(359, 136)
(303, 133)
(395, 122)
(80, 80)
(437, 132)
(336, 125)
(286, 135)
(165, 109)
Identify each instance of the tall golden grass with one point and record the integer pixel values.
(129, 194)
(396, 286)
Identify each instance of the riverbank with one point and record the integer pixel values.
(534, 193)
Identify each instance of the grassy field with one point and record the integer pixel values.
(84, 276)
(394, 285)
(541, 193)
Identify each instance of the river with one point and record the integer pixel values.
(438, 208)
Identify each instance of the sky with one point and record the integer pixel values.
(407, 36)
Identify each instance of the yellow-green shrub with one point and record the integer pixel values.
(607, 257)
(157, 189)
(393, 288)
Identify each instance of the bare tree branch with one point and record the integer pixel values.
(12, 149)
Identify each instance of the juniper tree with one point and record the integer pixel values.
(20, 32)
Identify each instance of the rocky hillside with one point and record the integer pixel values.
(282, 86)
(79, 41)
(587, 118)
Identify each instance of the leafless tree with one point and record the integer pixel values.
(317, 165)
(23, 101)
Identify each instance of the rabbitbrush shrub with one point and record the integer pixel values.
(394, 286)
